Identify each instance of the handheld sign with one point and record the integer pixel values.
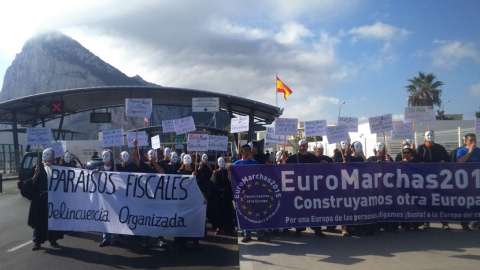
(39, 136)
(156, 142)
(138, 107)
(168, 126)
(380, 123)
(205, 104)
(402, 131)
(112, 138)
(414, 114)
(477, 126)
(217, 143)
(337, 134)
(286, 126)
(429, 116)
(197, 142)
(270, 136)
(350, 122)
(184, 125)
(58, 147)
(239, 124)
(315, 128)
(141, 137)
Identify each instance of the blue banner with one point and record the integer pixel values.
(312, 195)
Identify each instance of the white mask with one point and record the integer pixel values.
(125, 156)
(181, 156)
(174, 158)
(106, 156)
(205, 158)
(47, 155)
(152, 153)
(319, 145)
(187, 160)
(278, 156)
(379, 146)
(429, 136)
(221, 162)
(357, 147)
(67, 157)
(168, 152)
(409, 141)
(343, 144)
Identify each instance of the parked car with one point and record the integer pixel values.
(30, 160)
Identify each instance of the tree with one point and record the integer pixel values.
(424, 90)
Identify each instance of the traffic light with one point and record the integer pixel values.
(57, 107)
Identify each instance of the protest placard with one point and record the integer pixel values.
(239, 124)
(286, 126)
(197, 142)
(39, 136)
(429, 117)
(381, 123)
(337, 134)
(168, 126)
(270, 136)
(141, 136)
(138, 107)
(184, 125)
(402, 131)
(315, 128)
(414, 114)
(156, 142)
(125, 203)
(58, 147)
(477, 126)
(217, 143)
(350, 122)
(112, 138)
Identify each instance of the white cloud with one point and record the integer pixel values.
(474, 90)
(450, 53)
(292, 33)
(378, 31)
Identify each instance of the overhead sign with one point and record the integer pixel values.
(57, 107)
(205, 104)
(100, 117)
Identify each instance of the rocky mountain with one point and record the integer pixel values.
(53, 61)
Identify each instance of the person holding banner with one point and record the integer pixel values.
(409, 156)
(38, 213)
(319, 153)
(380, 154)
(222, 197)
(303, 156)
(67, 160)
(431, 152)
(127, 164)
(108, 165)
(204, 181)
(246, 154)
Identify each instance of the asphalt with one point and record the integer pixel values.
(434, 248)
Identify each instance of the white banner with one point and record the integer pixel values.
(315, 128)
(112, 137)
(168, 126)
(184, 125)
(239, 124)
(350, 122)
(197, 142)
(39, 135)
(217, 143)
(337, 134)
(380, 123)
(270, 136)
(138, 107)
(286, 126)
(141, 137)
(125, 203)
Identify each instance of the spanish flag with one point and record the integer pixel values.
(282, 88)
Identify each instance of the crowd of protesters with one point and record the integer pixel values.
(215, 184)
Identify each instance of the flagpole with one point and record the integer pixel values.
(276, 92)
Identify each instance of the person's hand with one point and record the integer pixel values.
(152, 160)
(135, 143)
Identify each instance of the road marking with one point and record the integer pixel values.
(20, 246)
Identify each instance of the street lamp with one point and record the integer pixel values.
(340, 109)
(443, 112)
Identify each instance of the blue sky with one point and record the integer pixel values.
(359, 52)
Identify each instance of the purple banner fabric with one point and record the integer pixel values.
(312, 195)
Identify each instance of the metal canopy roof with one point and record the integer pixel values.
(23, 110)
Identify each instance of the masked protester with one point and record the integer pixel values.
(38, 213)
(222, 200)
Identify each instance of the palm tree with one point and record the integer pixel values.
(424, 91)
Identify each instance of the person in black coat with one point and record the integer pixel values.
(38, 213)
